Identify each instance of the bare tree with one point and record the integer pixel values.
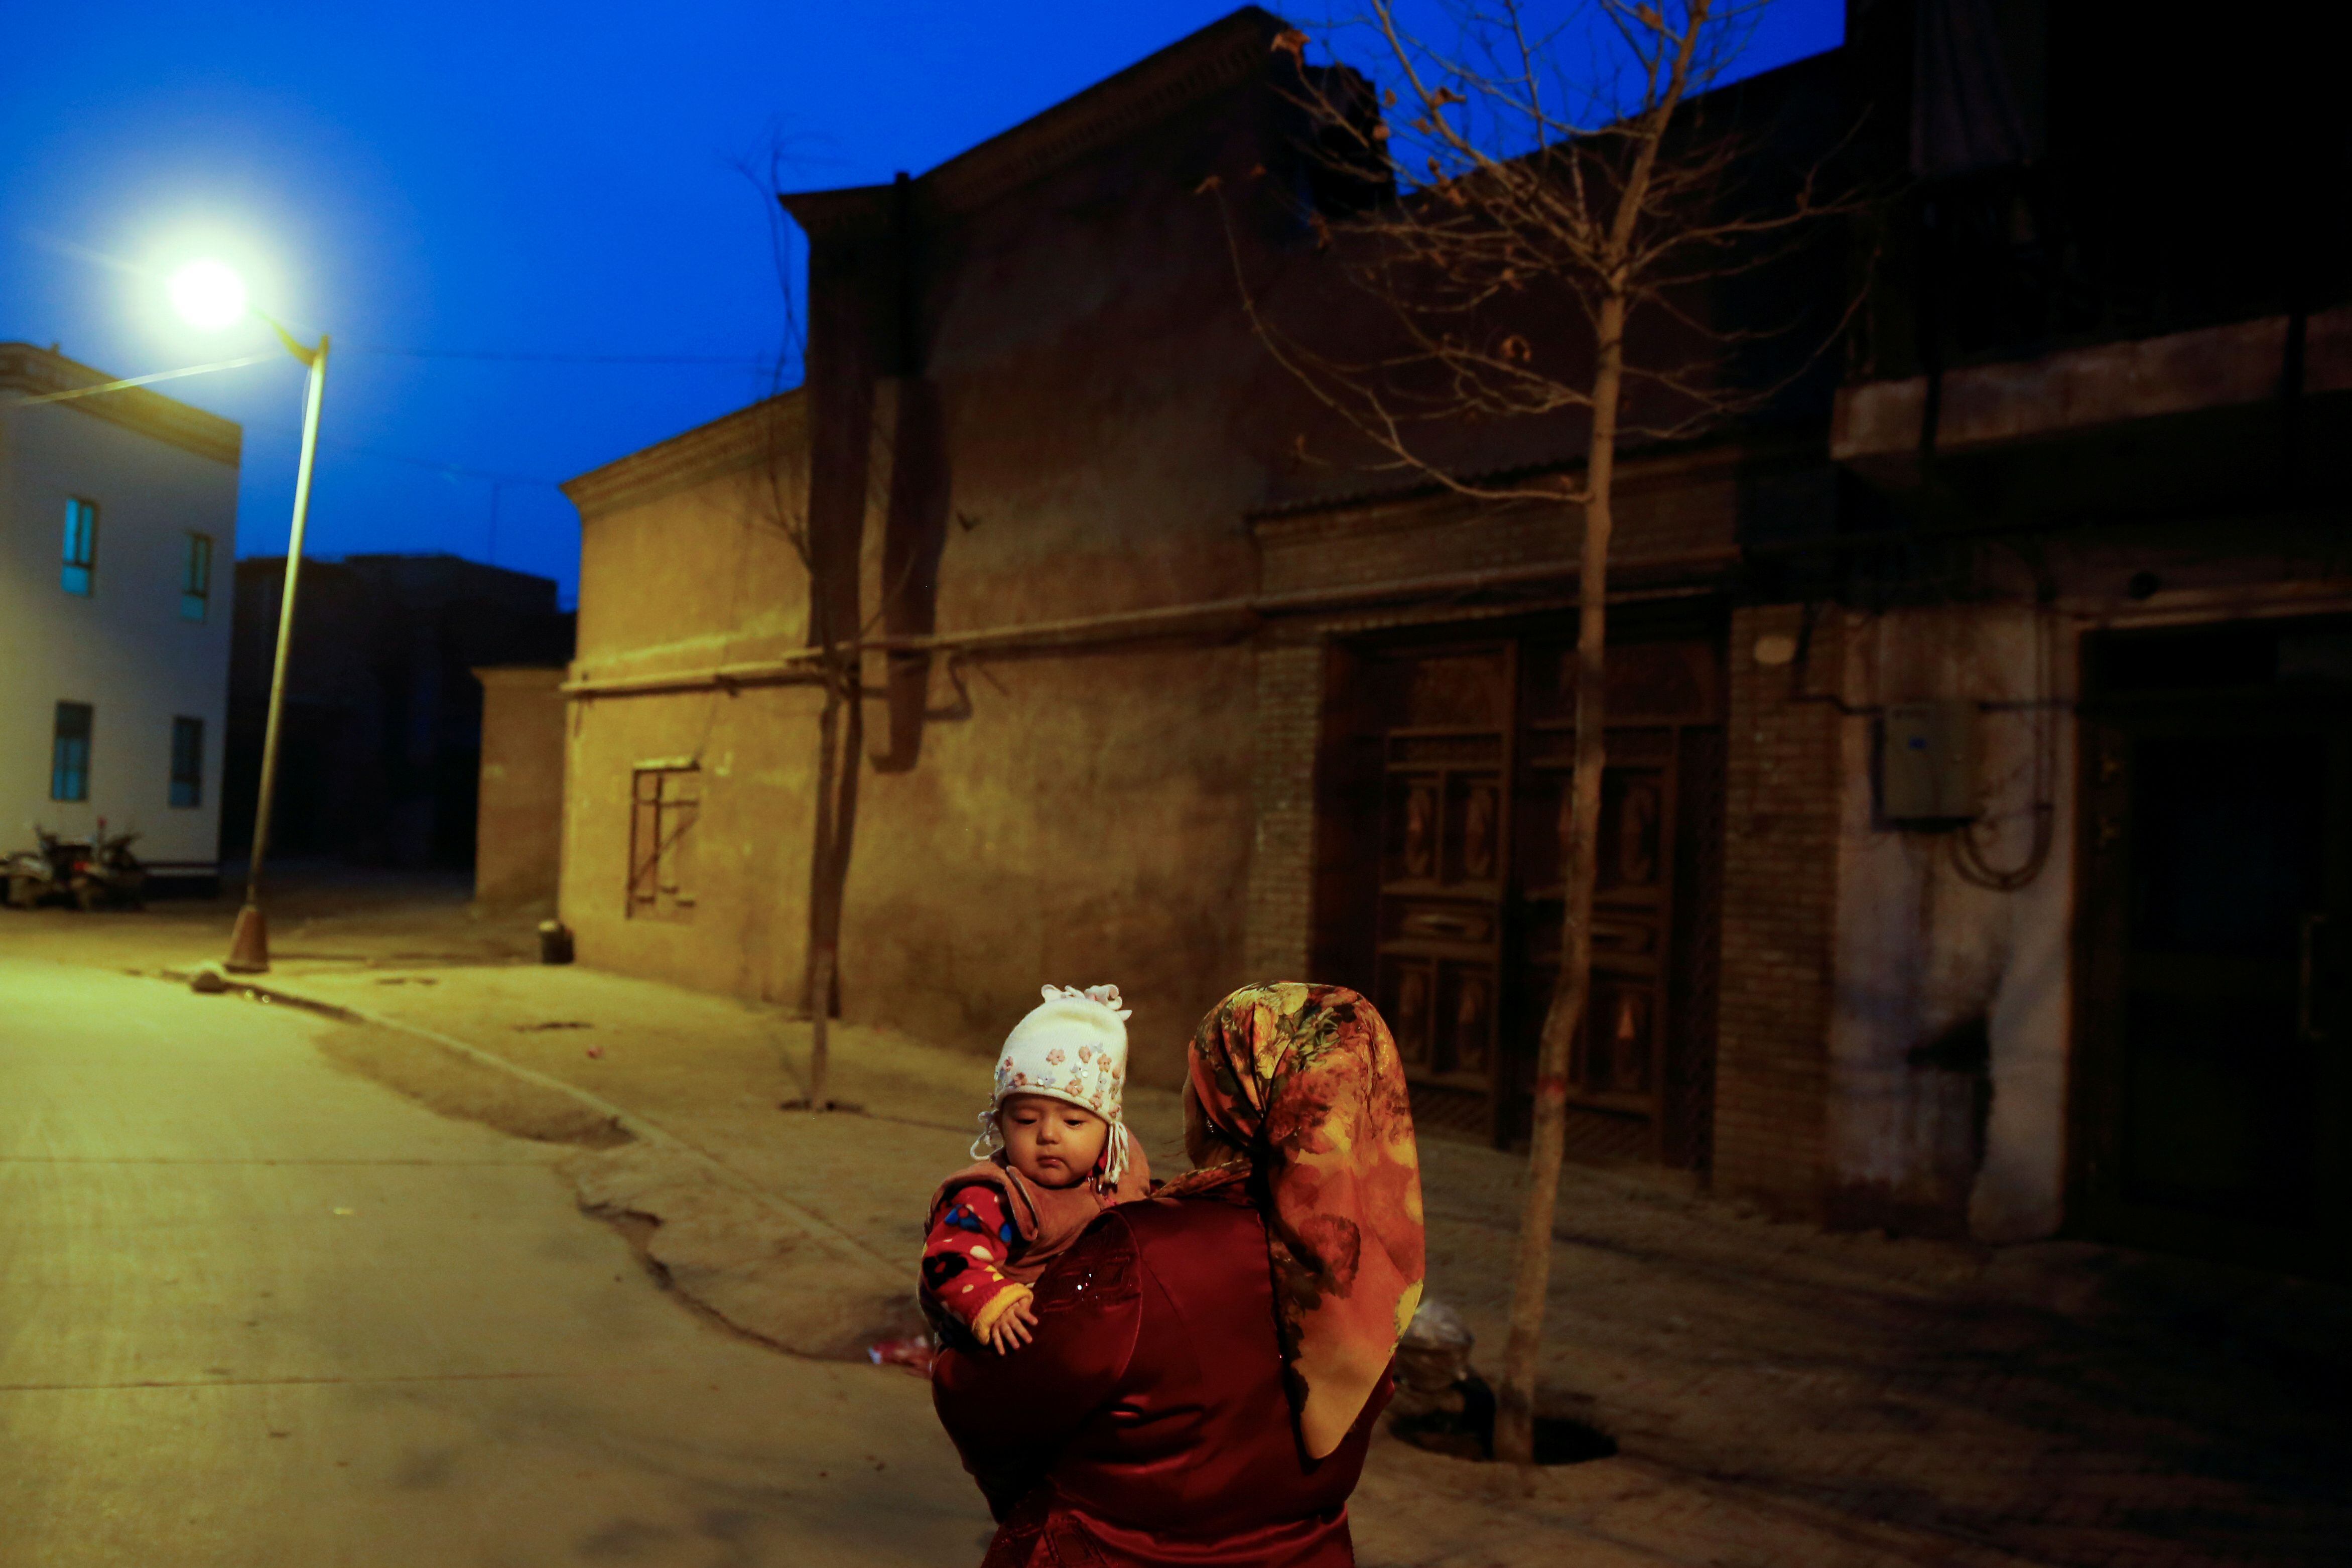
(1513, 202)
(836, 667)
(840, 756)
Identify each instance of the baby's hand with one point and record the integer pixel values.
(1011, 1330)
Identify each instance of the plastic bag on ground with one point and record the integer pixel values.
(914, 1353)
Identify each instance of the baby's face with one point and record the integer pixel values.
(1051, 1142)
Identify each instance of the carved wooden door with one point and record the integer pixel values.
(1638, 1070)
(1446, 832)
(1476, 750)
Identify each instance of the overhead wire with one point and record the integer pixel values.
(496, 478)
(131, 381)
(524, 357)
(438, 467)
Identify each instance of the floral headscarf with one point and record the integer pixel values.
(1306, 1079)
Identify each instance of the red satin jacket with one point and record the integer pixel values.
(1147, 1425)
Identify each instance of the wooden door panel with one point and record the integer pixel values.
(1634, 851)
(1438, 932)
(1476, 748)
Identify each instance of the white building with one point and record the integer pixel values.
(117, 533)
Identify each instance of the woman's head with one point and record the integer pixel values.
(1303, 1082)
(1206, 1144)
(1051, 1142)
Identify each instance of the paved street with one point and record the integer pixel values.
(468, 1370)
(258, 1311)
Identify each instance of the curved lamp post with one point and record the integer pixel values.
(209, 295)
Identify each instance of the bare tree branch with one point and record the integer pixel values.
(1543, 237)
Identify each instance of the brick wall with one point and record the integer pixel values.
(1779, 897)
(1282, 856)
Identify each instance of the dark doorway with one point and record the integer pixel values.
(2211, 1081)
(1442, 882)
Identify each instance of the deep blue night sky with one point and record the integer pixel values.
(506, 178)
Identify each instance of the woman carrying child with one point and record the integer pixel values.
(1204, 1366)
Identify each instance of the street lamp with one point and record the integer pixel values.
(210, 295)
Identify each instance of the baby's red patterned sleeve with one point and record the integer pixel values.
(964, 1254)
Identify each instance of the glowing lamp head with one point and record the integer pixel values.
(208, 295)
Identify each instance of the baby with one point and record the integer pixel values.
(1052, 1154)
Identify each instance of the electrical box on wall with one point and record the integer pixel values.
(1928, 763)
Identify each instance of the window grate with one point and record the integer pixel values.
(664, 804)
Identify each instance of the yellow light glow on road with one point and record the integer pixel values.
(208, 295)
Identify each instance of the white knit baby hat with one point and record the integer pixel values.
(1071, 1046)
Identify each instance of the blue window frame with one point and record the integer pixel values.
(196, 581)
(69, 753)
(187, 761)
(80, 571)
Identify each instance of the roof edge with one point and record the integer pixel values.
(1224, 52)
(729, 443)
(1216, 57)
(29, 368)
(824, 214)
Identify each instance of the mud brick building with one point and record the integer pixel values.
(380, 758)
(1977, 829)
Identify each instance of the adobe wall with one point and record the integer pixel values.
(1076, 815)
(1088, 421)
(1090, 822)
(751, 842)
(693, 577)
(1948, 1041)
(519, 818)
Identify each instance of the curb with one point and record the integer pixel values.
(848, 1247)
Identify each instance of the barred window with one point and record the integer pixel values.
(664, 799)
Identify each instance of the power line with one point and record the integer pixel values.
(434, 464)
(105, 386)
(503, 356)
(442, 468)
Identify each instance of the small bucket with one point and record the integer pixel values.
(554, 942)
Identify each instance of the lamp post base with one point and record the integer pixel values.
(248, 946)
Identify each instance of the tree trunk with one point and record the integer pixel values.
(820, 1060)
(817, 965)
(840, 743)
(1579, 842)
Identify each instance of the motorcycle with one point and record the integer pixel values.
(94, 875)
(37, 876)
(109, 874)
